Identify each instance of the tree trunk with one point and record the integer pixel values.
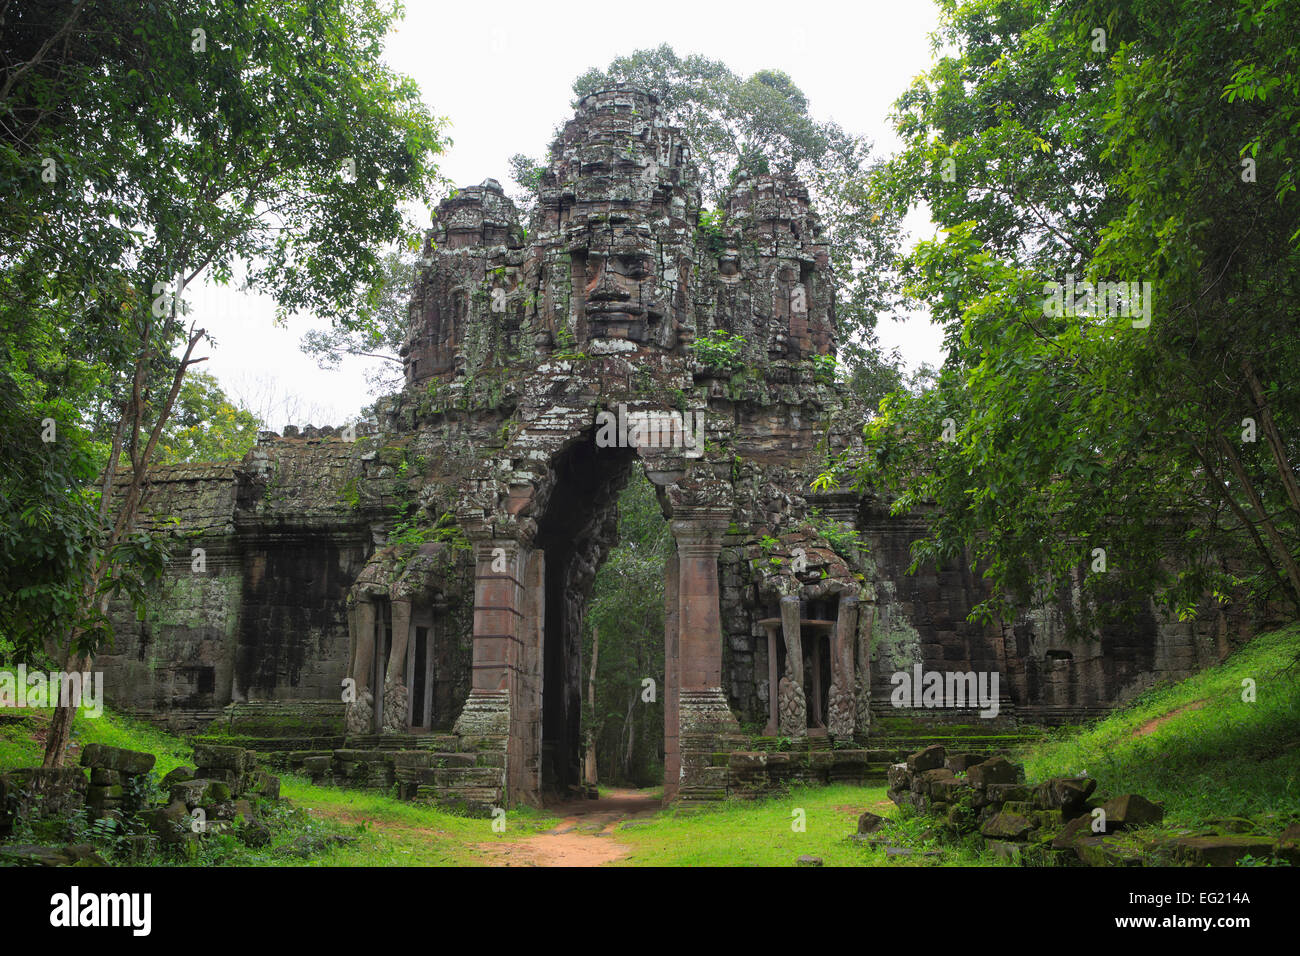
(589, 766)
(1222, 488)
(1280, 549)
(60, 733)
(629, 727)
(1269, 427)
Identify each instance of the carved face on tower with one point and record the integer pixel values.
(622, 294)
(620, 196)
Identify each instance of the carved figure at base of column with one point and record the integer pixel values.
(841, 705)
(792, 709)
(395, 698)
(360, 714)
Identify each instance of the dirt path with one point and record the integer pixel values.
(585, 837)
(1155, 722)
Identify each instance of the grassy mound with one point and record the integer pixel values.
(22, 738)
(1197, 746)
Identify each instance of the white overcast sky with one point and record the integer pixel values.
(502, 74)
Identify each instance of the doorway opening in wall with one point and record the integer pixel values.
(604, 541)
(817, 621)
(420, 670)
(623, 720)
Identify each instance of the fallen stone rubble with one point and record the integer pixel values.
(222, 793)
(1059, 821)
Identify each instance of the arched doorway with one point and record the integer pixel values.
(575, 531)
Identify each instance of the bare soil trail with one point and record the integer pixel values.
(585, 836)
(1151, 725)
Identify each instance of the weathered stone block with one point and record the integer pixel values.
(869, 822)
(208, 757)
(926, 781)
(931, 758)
(1069, 794)
(1008, 826)
(1221, 850)
(195, 793)
(993, 770)
(960, 763)
(317, 766)
(1104, 851)
(131, 762)
(1131, 810)
(1002, 792)
(899, 777)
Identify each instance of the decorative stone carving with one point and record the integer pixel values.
(360, 714)
(396, 698)
(792, 709)
(842, 708)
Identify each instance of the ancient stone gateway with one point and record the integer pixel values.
(434, 562)
(575, 344)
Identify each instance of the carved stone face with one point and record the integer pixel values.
(622, 292)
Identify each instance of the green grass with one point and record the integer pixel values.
(398, 833)
(22, 733)
(761, 833)
(1229, 758)
(389, 832)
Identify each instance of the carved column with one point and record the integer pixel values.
(360, 713)
(840, 720)
(498, 589)
(524, 749)
(703, 712)
(395, 689)
(793, 707)
(773, 682)
(866, 620)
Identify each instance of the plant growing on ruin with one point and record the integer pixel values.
(842, 537)
(825, 369)
(719, 350)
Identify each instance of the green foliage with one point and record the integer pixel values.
(719, 350)
(843, 538)
(186, 161)
(377, 331)
(412, 530)
(627, 609)
(825, 368)
(1213, 755)
(206, 425)
(1049, 434)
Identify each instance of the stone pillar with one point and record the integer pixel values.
(773, 683)
(396, 693)
(704, 714)
(793, 706)
(498, 588)
(866, 620)
(360, 713)
(524, 748)
(840, 720)
(672, 682)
